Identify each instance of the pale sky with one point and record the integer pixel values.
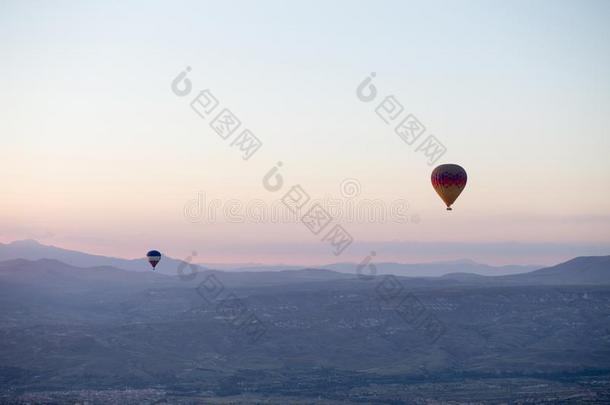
(98, 154)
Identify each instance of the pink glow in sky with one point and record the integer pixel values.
(98, 154)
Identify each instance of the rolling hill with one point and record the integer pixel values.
(32, 250)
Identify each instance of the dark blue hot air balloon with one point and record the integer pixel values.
(153, 258)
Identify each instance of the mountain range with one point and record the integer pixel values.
(33, 250)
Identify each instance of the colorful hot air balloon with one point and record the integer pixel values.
(153, 258)
(449, 180)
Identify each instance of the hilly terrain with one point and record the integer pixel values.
(103, 334)
(33, 250)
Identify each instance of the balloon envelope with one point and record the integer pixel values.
(449, 180)
(153, 257)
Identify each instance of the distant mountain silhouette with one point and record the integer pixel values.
(580, 270)
(437, 269)
(586, 270)
(58, 276)
(32, 250)
(54, 275)
(434, 269)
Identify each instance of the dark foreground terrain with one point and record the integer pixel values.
(103, 335)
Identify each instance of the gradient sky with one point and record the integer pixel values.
(99, 155)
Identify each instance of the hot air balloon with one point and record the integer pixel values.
(153, 258)
(449, 180)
